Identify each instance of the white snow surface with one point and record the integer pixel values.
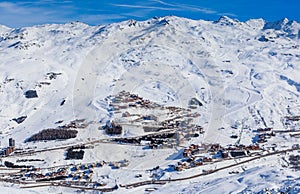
(232, 67)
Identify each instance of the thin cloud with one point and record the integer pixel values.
(43, 2)
(102, 18)
(228, 14)
(145, 7)
(155, 5)
(164, 3)
(8, 7)
(185, 7)
(28, 13)
(139, 13)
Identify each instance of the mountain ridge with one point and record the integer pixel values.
(277, 25)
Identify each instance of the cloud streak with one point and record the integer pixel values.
(31, 12)
(145, 7)
(185, 7)
(8, 7)
(153, 6)
(16, 13)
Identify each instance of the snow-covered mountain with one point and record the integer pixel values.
(245, 74)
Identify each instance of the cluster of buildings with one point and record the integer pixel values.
(119, 164)
(291, 122)
(76, 124)
(194, 149)
(295, 161)
(125, 100)
(192, 162)
(131, 111)
(197, 155)
(263, 135)
(75, 174)
(152, 141)
(79, 175)
(55, 175)
(162, 143)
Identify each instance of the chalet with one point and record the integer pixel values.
(296, 146)
(178, 168)
(253, 147)
(126, 114)
(151, 128)
(153, 146)
(195, 163)
(144, 142)
(101, 184)
(123, 163)
(194, 149)
(168, 145)
(225, 154)
(262, 140)
(293, 118)
(207, 159)
(150, 117)
(264, 129)
(132, 105)
(123, 106)
(199, 129)
(11, 142)
(100, 164)
(10, 149)
(215, 147)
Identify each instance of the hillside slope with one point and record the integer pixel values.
(244, 74)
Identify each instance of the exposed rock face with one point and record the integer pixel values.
(20, 119)
(194, 102)
(31, 94)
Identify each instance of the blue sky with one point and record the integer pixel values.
(26, 13)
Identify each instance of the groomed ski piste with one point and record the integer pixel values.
(166, 105)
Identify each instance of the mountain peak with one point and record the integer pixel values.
(225, 20)
(4, 28)
(256, 23)
(289, 26)
(277, 25)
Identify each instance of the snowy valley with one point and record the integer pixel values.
(166, 105)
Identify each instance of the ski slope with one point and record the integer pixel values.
(245, 74)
